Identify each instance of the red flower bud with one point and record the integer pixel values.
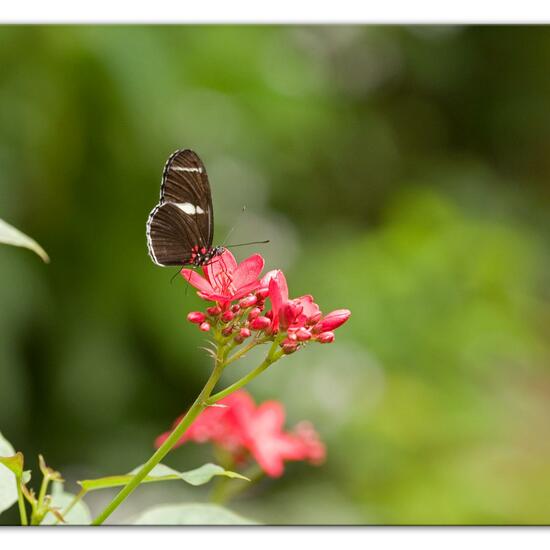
(254, 312)
(227, 316)
(333, 320)
(205, 327)
(326, 337)
(235, 308)
(249, 301)
(260, 323)
(314, 318)
(262, 293)
(214, 310)
(196, 317)
(302, 334)
(238, 338)
(269, 314)
(289, 346)
(244, 332)
(227, 331)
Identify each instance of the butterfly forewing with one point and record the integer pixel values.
(183, 219)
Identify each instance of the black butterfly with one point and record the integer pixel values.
(180, 228)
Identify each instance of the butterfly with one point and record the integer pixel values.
(181, 227)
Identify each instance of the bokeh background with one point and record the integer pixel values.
(401, 172)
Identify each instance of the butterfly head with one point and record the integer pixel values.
(201, 255)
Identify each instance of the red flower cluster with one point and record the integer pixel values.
(244, 429)
(240, 297)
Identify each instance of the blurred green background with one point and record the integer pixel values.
(401, 172)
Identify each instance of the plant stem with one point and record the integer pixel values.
(21, 502)
(196, 408)
(243, 351)
(272, 356)
(77, 498)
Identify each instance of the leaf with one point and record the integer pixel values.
(78, 515)
(191, 514)
(160, 472)
(8, 483)
(11, 235)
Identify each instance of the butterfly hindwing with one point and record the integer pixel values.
(171, 234)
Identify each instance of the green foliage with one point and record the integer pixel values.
(79, 514)
(198, 476)
(191, 514)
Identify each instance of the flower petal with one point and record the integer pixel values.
(197, 280)
(224, 263)
(248, 271)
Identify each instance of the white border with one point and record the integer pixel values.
(266, 538)
(281, 11)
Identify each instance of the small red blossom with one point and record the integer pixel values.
(332, 320)
(242, 428)
(224, 280)
(326, 337)
(196, 317)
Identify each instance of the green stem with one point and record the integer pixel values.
(77, 498)
(243, 351)
(42, 492)
(272, 356)
(196, 408)
(21, 501)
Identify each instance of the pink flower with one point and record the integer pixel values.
(224, 280)
(242, 428)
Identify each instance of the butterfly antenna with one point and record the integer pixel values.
(246, 244)
(230, 232)
(175, 275)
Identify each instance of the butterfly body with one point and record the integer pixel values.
(181, 227)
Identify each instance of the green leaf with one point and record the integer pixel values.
(191, 514)
(78, 515)
(8, 482)
(160, 472)
(11, 235)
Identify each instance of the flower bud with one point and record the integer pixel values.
(238, 338)
(289, 346)
(227, 331)
(249, 301)
(227, 316)
(262, 293)
(213, 310)
(332, 320)
(244, 333)
(205, 327)
(269, 314)
(314, 318)
(196, 317)
(326, 337)
(235, 308)
(260, 323)
(254, 312)
(302, 334)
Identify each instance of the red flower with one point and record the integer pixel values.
(224, 280)
(240, 427)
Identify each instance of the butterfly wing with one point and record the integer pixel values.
(185, 182)
(184, 217)
(171, 234)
